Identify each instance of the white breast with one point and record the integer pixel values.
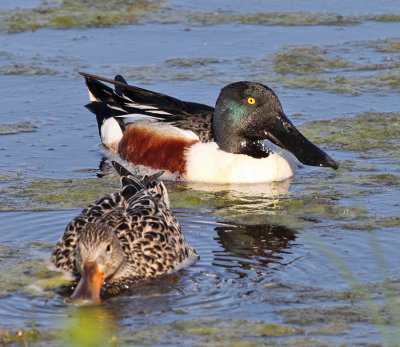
(206, 162)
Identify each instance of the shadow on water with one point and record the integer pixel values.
(252, 247)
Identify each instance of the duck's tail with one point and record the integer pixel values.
(131, 186)
(110, 119)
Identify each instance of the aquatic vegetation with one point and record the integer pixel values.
(176, 69)
(44, 193)
(303, 60)
(15, 128)
(268, 18)
(322, 68)
(292, 18)
(22, 337)
(26, 69)
(368, 131)
(212, 331)
(191, 62)
(88, 326)
(381, 81)
(390, 45)
(101, 13)
(29, 275)
(30, 69)
(74, 13)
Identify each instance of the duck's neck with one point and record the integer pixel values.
(230, 140)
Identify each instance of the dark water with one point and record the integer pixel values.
(312, 261)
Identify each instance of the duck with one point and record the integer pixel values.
(245, 138)
(122, 239)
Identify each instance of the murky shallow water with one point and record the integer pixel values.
(311, 261)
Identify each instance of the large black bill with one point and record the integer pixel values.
(284, 134)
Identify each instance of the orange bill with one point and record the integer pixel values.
(89, 286)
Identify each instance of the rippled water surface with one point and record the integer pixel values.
(311, 261)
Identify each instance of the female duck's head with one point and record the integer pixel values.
(248, 113)
(99, 256)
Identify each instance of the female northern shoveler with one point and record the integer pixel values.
(123, 238)
(197, 142)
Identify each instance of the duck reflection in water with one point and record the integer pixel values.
(253, 247)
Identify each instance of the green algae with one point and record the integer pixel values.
(74, 13)
(46, 194)
(390, 17)
(29, 275)
(241, 332)
(191, 62)
(29, 69)
(175, 69)
(385, 179)
(230, 332)
(293, 18)
(89, 326)
(322, 68)
(390, 45)
(377, 82)
(326, 315)
(101, 13)
(303, 60)
(23, 337)
(16, 128)
(363, 132)
(273, 329)
(269, 18)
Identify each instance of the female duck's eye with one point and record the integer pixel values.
(108, 249)
(251, 100)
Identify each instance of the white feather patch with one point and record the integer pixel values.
(91, 97)
(159, 112)
(111, 133)
(116, 108)
(141, 106)
(135, 117)
(206, 162)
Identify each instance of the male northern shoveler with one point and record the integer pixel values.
(123, 238)
(198, 142)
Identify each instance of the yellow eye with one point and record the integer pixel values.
(251, 101)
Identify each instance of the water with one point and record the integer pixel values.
(312, 261)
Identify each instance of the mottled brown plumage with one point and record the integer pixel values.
(131, 235)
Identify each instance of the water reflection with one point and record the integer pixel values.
(266, 189)
(253, 247)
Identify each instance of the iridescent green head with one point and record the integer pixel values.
(248, 113)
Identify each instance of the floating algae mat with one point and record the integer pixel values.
(306, 59)
(369, 131)
(75, 13)
(24, 272)
(19, 127)
(101, 13)
(49, 194)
